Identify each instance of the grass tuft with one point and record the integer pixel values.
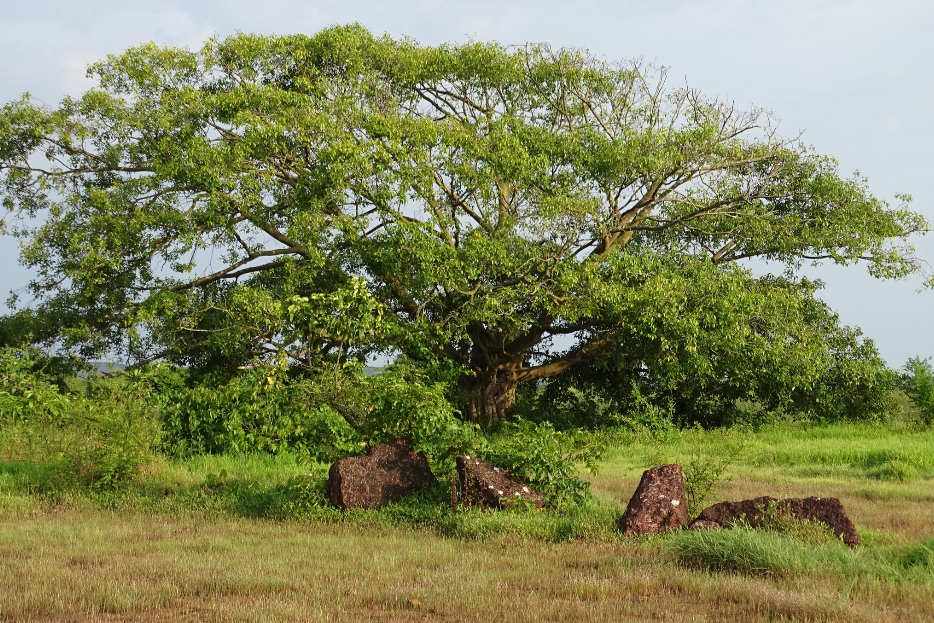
(749, 551)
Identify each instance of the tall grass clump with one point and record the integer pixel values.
(749, 551)
(741, 550)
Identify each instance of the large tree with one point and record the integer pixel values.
(509, 212)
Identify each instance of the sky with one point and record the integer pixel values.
(856, 77)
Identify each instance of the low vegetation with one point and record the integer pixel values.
(250, 537)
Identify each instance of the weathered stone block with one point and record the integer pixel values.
(482, 483)
(828, 511)
(659, 503)
(385, 474)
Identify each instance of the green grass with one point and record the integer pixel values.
(748, 551)
(848, 461)
(842, 450)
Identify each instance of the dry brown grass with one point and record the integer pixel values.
(84, 565)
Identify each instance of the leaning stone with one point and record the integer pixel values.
(385, 474)
(483, 484)
(828, 511)
(659, 503)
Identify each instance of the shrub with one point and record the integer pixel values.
(405, 404)
(702, 476)
(26, 394)
(546, 457)
(100, 438)
(114, 433)
(262, 410)
(917, 380)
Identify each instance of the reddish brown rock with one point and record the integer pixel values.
(659, 503)
(484, 484)
(725, 514)
(828, 511)
(385, 474)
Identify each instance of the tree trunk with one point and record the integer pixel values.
(499, 365)
(488, 398)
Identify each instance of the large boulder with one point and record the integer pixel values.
(725, 514)
(385, 474)
(484, 484)
(659, 503)
(828, 511)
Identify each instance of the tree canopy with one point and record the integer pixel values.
(508, 213)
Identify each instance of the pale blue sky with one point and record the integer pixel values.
(856, 76)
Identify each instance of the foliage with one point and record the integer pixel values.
(26, 393)
(703, 474)
(917, 380)
(20, 331)
(466, 204)
(261, 410)
(567, 407)
(404, 403)
(644, 415)
(99, 437)
(545, 457)
(728, 345)
(326, 415)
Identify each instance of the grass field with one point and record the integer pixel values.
(200, 540)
